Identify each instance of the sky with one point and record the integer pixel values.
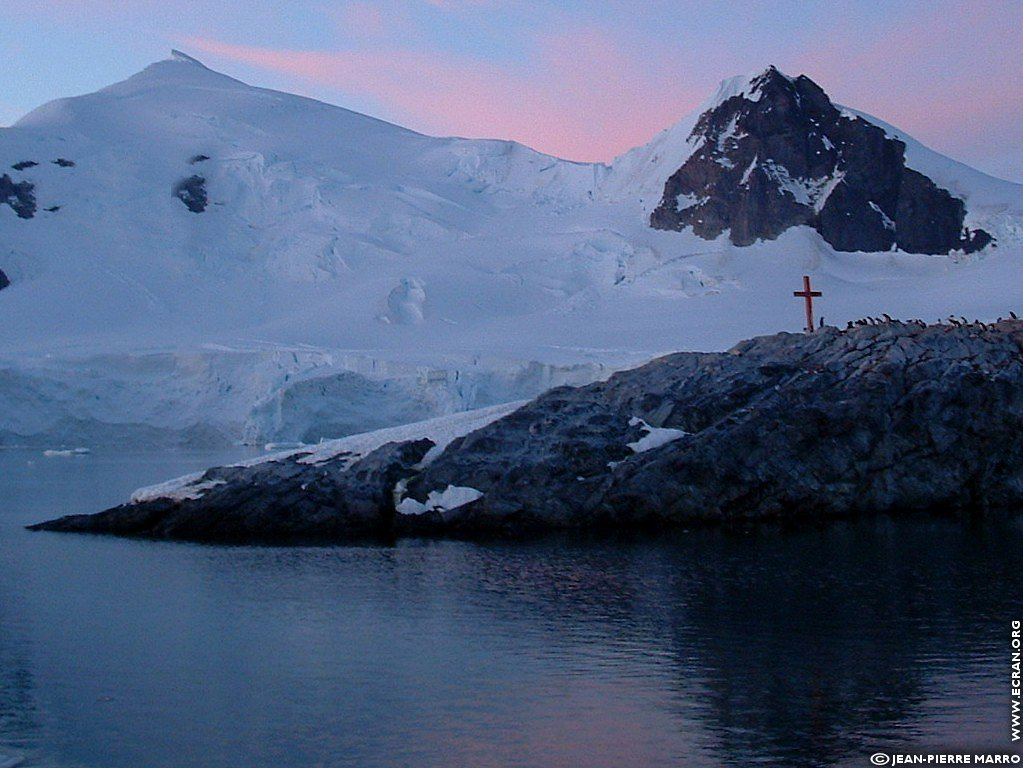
(580, 79)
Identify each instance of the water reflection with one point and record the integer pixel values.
(776, 647)
(701, 648)
(820, 645)
(19, 727)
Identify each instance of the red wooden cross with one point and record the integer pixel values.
(807, 294)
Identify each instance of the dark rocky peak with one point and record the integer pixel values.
(4, 280)
(774, 153)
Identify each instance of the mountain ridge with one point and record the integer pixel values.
(252, 245)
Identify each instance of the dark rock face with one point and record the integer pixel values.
(63, 162)
(877, 419)
(192, 192)
(24, 164)
(198, 159)
(782, 155)
(4, 280)
(279, 501)
(20, 196)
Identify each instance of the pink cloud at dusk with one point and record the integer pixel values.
(583, 80)
(365, 19)
(941, 76)
(582, 98)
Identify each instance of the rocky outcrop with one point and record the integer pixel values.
(882, 418)
(275, 501)
(4, 280)
(192, 192)
(780, 154)
(19, 195)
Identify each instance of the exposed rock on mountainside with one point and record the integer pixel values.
(19, 195)
(192, 192)
(876, 419)
(780, 154)
(4, 280)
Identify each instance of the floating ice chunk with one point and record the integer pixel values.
(67, 452)
(655, 437)
(284, 446)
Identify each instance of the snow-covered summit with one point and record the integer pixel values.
(190, 252)
(749, 87)
(643, 170)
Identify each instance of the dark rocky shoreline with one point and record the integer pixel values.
(884, 418)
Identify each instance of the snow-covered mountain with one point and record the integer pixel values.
(194, 259)
(779, 154)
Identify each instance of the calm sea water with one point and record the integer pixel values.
(696, 649)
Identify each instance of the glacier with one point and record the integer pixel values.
(346, 274)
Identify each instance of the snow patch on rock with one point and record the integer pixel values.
(655, 437)
(451, 497)
(180, 489)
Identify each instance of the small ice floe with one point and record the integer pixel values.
(65, 452)
(655, 437)
(284, 446)
(451, 497)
